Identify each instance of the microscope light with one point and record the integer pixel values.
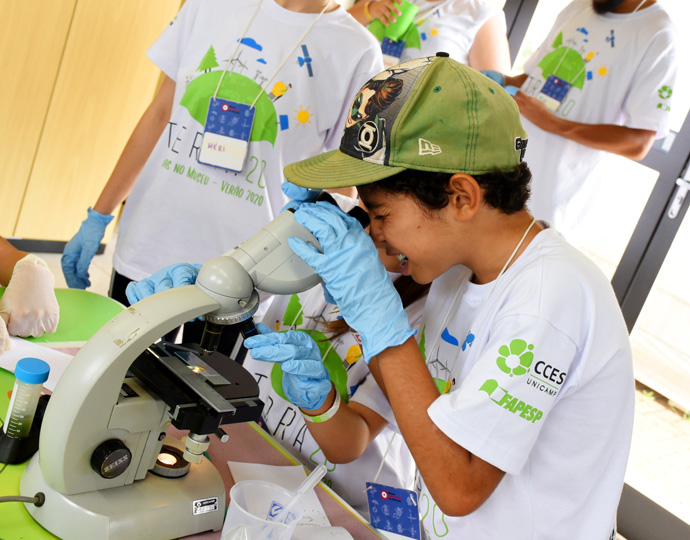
(170, 463)
(167, 459)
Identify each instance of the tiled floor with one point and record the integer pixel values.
(659, 465)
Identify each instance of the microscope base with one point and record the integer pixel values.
(154, 508)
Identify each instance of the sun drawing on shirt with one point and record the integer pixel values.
(303, 116)
(603, 71)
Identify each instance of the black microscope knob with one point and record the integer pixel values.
(111, 458)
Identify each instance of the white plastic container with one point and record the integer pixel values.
(30, 375)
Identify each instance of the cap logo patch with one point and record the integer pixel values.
(368, 137)
(427, 148)
(521, 146)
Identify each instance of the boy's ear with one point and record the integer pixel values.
(465, 195)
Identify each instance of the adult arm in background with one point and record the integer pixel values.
(81, 249)
(138, 149)
(490, 47)
(628, 142)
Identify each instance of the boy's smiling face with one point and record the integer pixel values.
(417, 236)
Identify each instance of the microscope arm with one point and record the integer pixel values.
(78, 415)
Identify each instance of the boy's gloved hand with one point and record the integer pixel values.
(326, 295)
(354, 276)
(29, 306)
(298, 195)
(79, 251)
(175, 275)
(305, 379)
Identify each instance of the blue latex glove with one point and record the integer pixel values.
(494, 76)
(79, 251)
(298, 195)
(512, 90)
(354, 276)
(305, 379)
(327, 296)
(175, 275)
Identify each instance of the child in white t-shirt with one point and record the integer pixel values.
(280, 57)
(518, 412)
(297, 61)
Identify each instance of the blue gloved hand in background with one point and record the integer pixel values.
(494, 76)
(354, 276)
(500, 79)
(175, 275)
(79, 251)
(305, 379)
(298, 195)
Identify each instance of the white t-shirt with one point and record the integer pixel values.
(622, 68)
(306, 311)
(448, 26)
(541, 386)
(183, 211)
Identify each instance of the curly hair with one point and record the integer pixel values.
(507, 191)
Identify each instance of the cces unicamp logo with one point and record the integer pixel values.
(517, 360)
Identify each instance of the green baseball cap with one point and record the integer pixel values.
(429, 114)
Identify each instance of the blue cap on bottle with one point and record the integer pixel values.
(32, 371)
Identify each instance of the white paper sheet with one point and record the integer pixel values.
(58, 361)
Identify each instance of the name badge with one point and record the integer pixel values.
(554, 92)
(394, 510)
(392, 52)
(227, 132)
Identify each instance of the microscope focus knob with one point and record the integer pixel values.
(111, 458)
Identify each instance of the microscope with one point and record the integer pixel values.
(105, 465)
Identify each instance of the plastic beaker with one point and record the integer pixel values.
(30, 375)
(254, 504)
